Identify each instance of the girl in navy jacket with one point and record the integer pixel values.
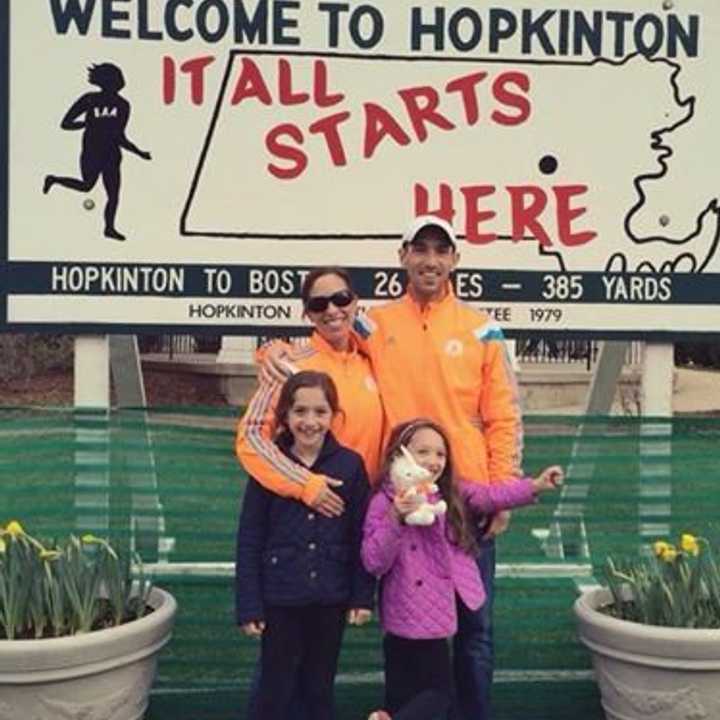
(298, 574)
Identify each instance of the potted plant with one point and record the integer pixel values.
(654, 634)
(79, 638)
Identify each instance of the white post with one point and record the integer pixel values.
(92, 372)
(237, 350)
(657, 380)
(237, 354)
(568, 534)
(92, 456)
(656, 442)
(147, 519)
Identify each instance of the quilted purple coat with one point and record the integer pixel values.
(421, 569)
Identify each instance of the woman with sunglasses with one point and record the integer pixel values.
(330, 304)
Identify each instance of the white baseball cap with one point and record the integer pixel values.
(429, 221)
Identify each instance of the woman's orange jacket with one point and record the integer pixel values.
(358, 426)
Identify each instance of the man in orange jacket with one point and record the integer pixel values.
(434, 356)
(437, 357)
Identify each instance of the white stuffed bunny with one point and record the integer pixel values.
(410, 479)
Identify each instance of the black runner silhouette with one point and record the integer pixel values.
(106, 115)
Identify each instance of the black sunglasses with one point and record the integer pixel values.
(319, 303)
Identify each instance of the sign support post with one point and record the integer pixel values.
(147, 518)
(656, 442)
(567, 537)
(92, 451)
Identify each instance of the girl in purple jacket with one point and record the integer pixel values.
(427, 570)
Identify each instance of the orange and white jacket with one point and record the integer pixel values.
(358, 426)
(448, 362)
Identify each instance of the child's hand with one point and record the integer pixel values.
(358, 616)
(405, 503)
(549, 479)
(254, 628)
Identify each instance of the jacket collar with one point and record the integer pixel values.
(434, 305)
(320, 344)
(330, 445)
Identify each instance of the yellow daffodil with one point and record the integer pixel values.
(689, 543)
(90, 539)
(14, 529)
(668, 583)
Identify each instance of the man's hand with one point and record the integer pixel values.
(329, 503)
(358, 616)
(255, 628)
(498, 525)
(276, 366)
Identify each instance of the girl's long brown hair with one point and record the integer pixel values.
(458, 524)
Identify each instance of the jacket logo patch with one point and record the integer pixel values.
(454, 347)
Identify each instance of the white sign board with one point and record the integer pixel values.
(179, 165)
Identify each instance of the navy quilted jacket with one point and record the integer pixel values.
(289, 555)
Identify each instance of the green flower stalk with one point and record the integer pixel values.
(55, 590)
(55, 601)
(17, 570)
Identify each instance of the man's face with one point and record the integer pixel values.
(428, 261)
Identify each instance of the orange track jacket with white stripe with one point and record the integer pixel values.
(448, 362)
(358, 426)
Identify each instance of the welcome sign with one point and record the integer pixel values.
(180, 164)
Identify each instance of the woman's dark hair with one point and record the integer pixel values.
(304, 379)
(319, 272)
(458, 524)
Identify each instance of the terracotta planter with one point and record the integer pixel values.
(648, 672)
(104, 674)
